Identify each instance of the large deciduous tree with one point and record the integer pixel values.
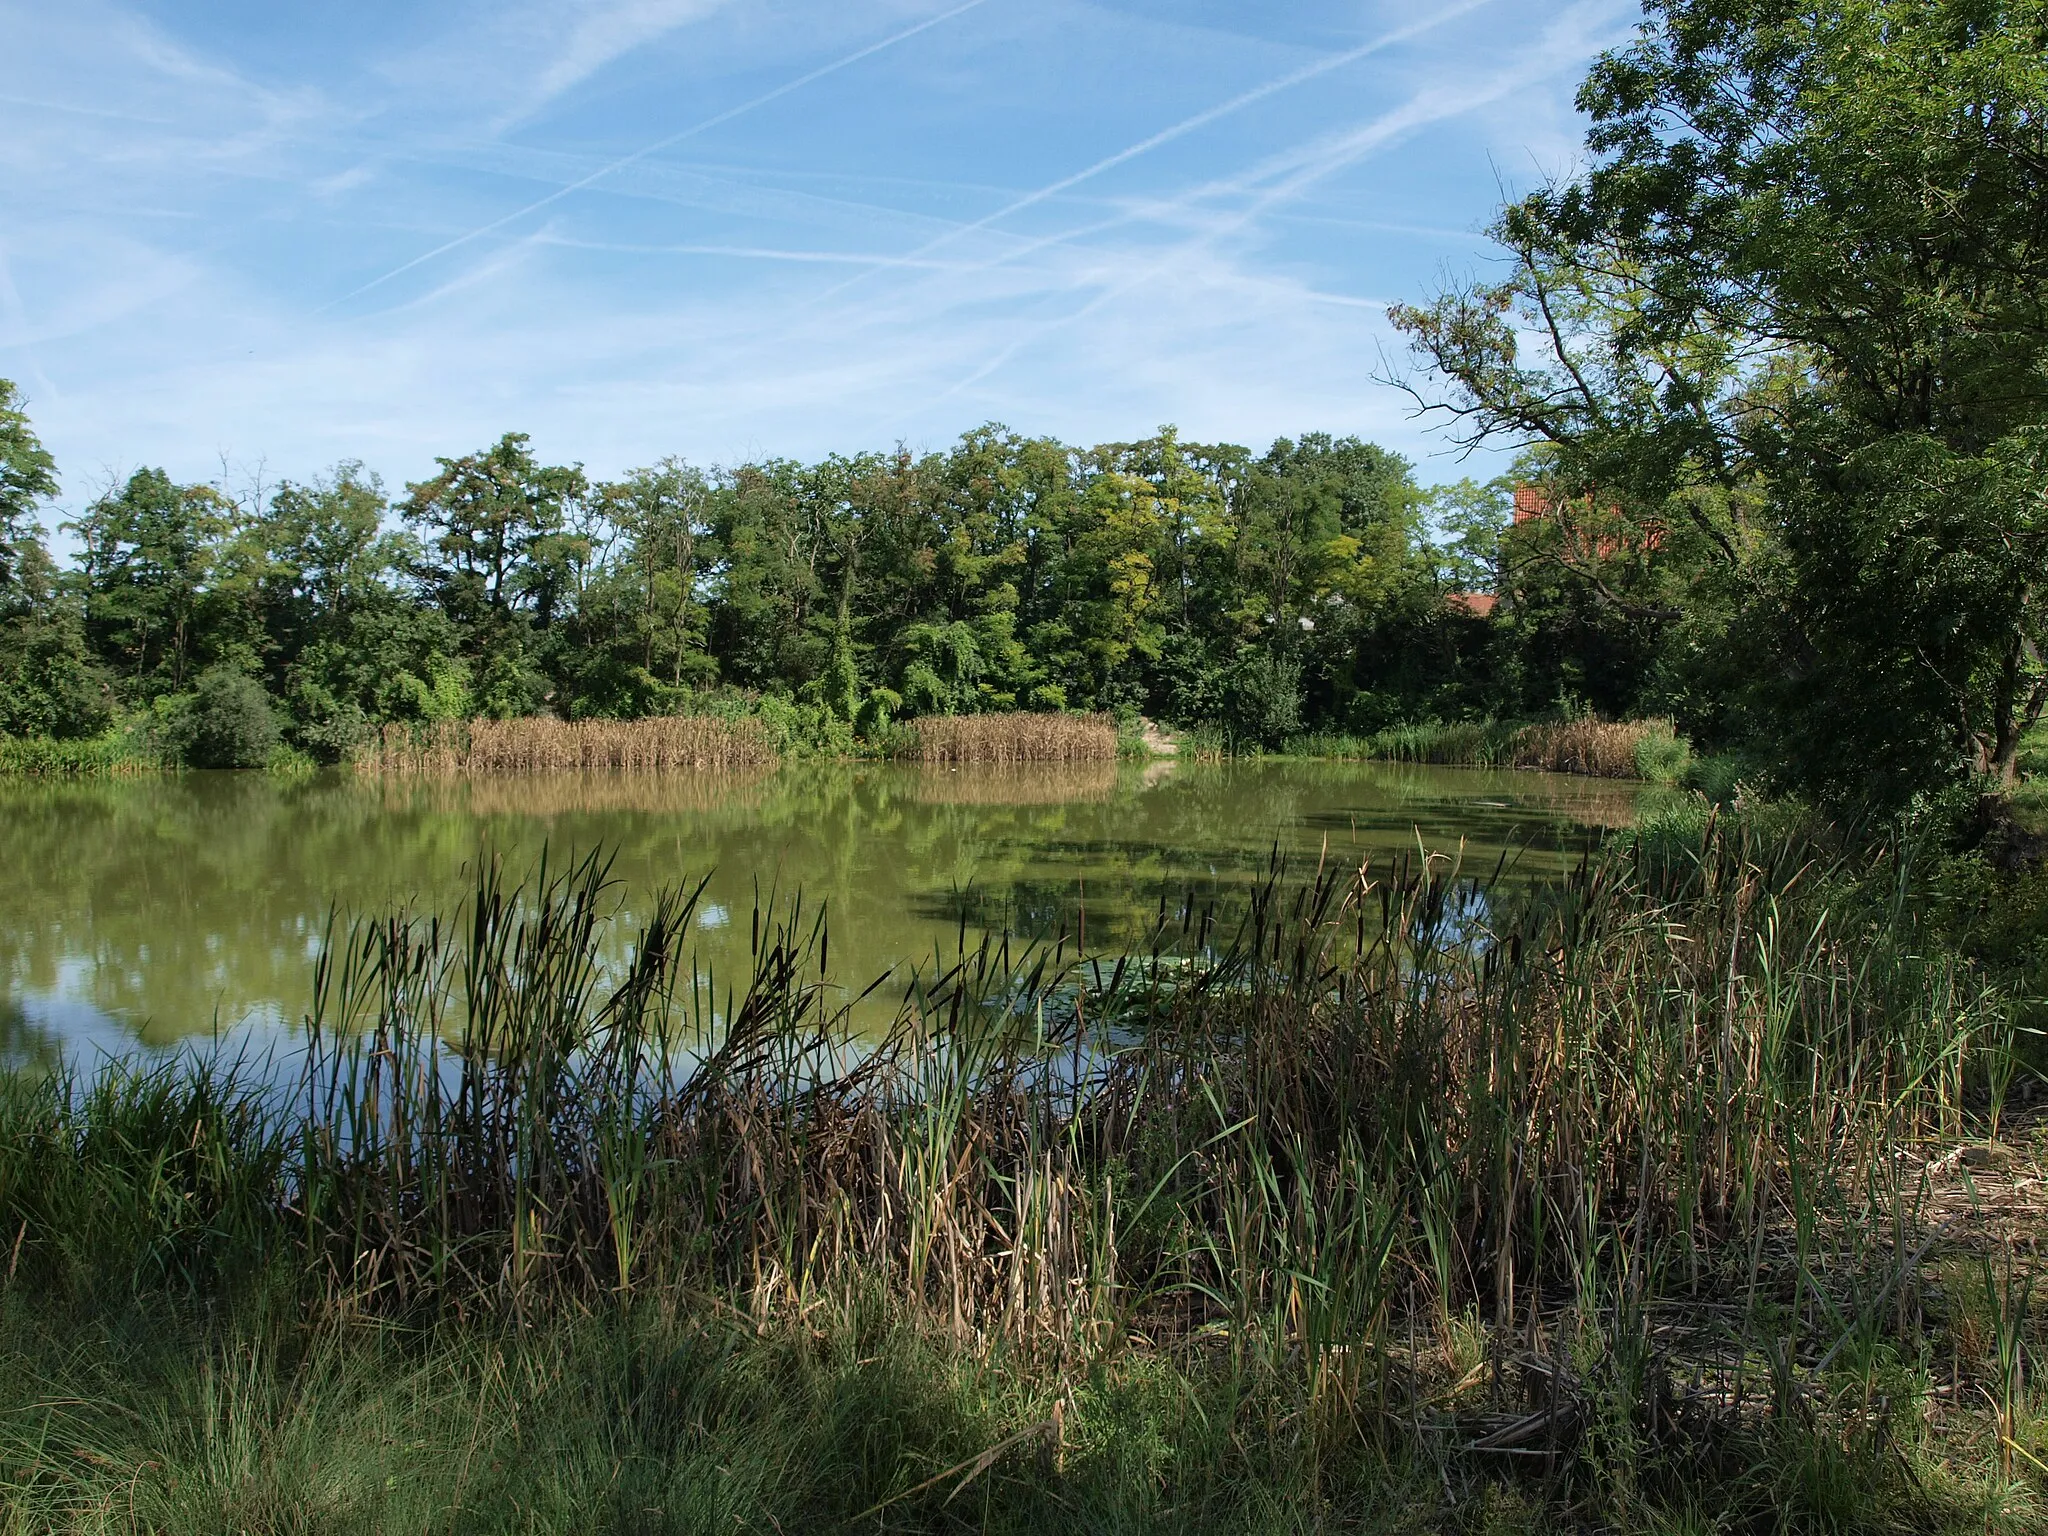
(1796, 315)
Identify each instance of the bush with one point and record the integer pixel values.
(1661, 755)
(226, 722)
(48, 687)
(1719, 776)
(1262, 700)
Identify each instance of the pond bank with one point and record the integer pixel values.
(1320, 1246)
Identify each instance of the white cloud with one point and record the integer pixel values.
(686, 307)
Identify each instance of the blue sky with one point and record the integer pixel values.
(285, 234)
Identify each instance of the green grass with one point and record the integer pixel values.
(100, 757)
(1648, 750)
(1634, 1218)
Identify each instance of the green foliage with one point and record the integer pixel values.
(28, 477)
(225, 722)
(1318, 1185)
(66, 757)
(1662, 757)
(1261, 700)
(1784, 346)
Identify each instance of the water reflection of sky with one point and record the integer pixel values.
(175, 909)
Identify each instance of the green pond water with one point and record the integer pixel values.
(149, 912)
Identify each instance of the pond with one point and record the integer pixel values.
(142, 913)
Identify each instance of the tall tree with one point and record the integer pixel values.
(150, 552)
(1795, 311)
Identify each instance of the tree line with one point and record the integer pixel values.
(1302, 588)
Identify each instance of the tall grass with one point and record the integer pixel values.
(1014, 738)
(110, 756)
(1628, 749)
(1651, 1167)
(456, 749)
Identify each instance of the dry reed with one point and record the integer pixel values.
(457, 749)
(1600, 749)
(1018, 738)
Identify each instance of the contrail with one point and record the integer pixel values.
(658, 146)
(1202, 119)
(1167, 135)
(1308, 164)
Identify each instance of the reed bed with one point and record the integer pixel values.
(457, 749)
(1014, 738)
(1654, 1167)
(1598, 748)
(41, 757)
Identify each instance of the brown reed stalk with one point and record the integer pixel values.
(1597, 748)
(1014, 738)
(451, 749)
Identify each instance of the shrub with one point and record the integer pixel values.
(1661, 754)
(1262, 700)
(1718, 776)
(48, 687)
(226, 722)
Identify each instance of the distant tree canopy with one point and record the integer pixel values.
(1298, 588)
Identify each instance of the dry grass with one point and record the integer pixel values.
(1598, 748)
(454, 749)
(1022, 738)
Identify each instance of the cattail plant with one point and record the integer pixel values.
(1325, 1142)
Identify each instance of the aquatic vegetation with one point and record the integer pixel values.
(1656, 1175)
(1618, 749)
(1014, 738)
(453, 748)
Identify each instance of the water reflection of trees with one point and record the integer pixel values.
(176, 903)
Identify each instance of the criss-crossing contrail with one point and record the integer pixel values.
(1187, 125)
(658, 146)
(1298, 169)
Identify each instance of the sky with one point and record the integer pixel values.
(255, 238)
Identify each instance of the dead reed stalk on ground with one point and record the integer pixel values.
(458, 749)
(1018, 738)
